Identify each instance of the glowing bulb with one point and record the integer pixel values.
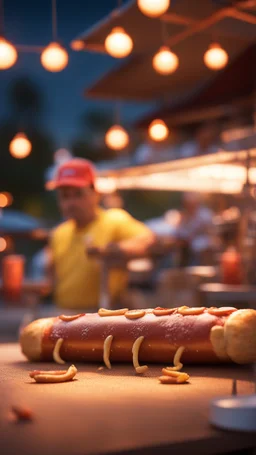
(5, 199)
(165, 62)
(54, 58)
(116, 138)
(8, 54)
(215, 57)
(3, 244)
(20, 146)
(158, 130)
(153, 8)
(118, 43)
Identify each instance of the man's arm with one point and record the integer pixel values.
(139, 245)
(132, 239)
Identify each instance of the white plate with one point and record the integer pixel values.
(234, 413)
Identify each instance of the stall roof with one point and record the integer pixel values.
(191, 28)
(16, 223)
(222, 172)
(232, 90)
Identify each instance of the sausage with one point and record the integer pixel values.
(214, 335)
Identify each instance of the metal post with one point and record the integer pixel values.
(105, 300)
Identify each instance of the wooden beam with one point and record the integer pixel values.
(94, 47)
(207, 22)
(209, 113)
(242, 16)
(173, 18)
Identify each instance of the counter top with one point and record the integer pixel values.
(115, 411)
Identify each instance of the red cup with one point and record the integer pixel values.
(231, 267)
(13, 267)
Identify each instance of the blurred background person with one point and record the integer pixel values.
(206, 140)
(193, 224)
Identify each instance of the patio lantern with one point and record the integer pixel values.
(54, 58)
(8, 54)
(158, 130)
(153, 8)
(20, 147)
(215, 57)
(117, 138)
(118, 43)
(165, 61)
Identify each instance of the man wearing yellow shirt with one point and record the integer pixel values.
(76, 274)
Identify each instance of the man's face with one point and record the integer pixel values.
(77, 203)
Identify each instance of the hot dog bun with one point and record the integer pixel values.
(31, 338)
(207, 338)
(240, 336)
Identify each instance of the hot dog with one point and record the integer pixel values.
(206, 335)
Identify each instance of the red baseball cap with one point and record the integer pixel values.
(77, 172)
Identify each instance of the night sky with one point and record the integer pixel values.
(29, 22)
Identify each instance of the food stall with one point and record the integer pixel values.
(118, 398)
(187, 101)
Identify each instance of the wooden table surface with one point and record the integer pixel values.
(115, 411)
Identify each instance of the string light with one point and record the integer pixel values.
(8, 54)
(153, 8)
(215, 57)
(165, 61)
(5, 200)
(20, 146)
(117, 138)
(54, 58)
(118, 43)
(158, 130)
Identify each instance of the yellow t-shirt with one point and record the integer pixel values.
(77, 277)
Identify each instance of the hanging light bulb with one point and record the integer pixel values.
(20, 146)
(158, 130)
(54, 58)
(8, 54)
(116, 138)
(153, 8)
(118, 43)
(165, 61)
(215, 57)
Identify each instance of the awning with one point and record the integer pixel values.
(222, 172)
(192, 26)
